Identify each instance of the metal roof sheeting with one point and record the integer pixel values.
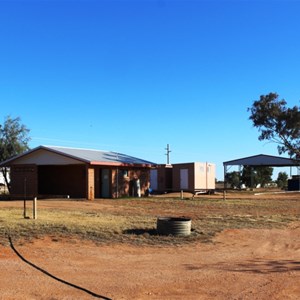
(97, 156)
(93, 157)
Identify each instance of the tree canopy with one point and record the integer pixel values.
(233, 178)
(252, 176)
(277, 123)
(282, 179)
(14, 139)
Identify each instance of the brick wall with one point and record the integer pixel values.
(122, 181)
(77, 181)
(24, 181)
(90, 184)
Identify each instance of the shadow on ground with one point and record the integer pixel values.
(141, 231)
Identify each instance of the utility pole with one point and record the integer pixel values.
(168, 154)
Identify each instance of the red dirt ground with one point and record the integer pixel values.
(239, 264)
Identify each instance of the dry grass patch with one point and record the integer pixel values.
(134, 220)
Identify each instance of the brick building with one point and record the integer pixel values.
(77, 173)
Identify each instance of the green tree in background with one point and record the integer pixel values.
(282, 180)
(233, 179)
(264, 175)
(252, 176)
(277, 123)
(14, 140)
(248, 176)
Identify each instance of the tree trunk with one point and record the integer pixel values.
(4, 171)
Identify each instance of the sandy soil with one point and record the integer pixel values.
(239, 264)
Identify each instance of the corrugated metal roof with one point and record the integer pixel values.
(88, 156)
(98, 156)
(262, 160)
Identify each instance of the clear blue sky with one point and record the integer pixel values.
(134, 76)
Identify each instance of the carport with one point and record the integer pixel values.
(259, 160)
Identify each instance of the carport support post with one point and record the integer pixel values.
(225, 183)
(252, 179)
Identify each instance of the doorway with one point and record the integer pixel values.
(184, 179)
(105, 183)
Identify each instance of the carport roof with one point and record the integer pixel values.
(93, 157)
(263, 160)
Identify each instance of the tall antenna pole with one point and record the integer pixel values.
(168, 154)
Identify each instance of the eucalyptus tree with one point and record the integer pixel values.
(277, 123)
(14, 139)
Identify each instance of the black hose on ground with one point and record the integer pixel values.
(52, 276)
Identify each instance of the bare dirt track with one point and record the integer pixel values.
(237, 264)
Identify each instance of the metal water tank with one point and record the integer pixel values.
(174, 226)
